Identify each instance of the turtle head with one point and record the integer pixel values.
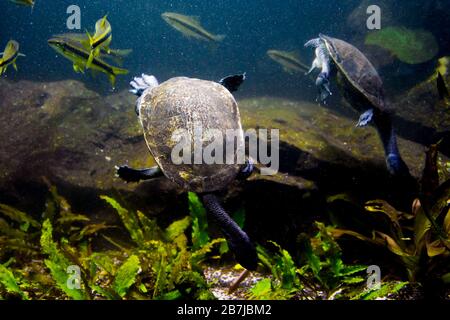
(141, 84)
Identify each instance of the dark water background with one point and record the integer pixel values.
(251, 28)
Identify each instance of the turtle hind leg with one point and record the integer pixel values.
(365, 118)
(394, 162)
(396, 166)
(238, 241)
(135, 175)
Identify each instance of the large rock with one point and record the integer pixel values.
(74, 137)
(323, 137)
(64, 131)
(422, 115)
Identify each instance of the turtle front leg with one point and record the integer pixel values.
(315, 65)
(135, 175)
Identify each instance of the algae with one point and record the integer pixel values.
(409, 46)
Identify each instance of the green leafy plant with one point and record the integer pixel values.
(419, 239)
(323, 259)
(284, 282)
(319, 274)
(156, 264)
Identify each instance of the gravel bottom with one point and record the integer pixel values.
(221, 279)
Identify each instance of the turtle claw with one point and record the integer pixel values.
(365, 118)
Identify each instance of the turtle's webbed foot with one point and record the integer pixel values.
(140, 84)
(232, 83)
(313, 43)
(365, 118)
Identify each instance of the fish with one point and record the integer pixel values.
(79, 56)
(100, 40)
(28, 3)
(442, 88)
(9, 56)
(288, 60)
(190, 26)
(117, 55)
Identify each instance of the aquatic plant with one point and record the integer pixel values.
(284, 282)
(409, 46)
(419, 239)
(56, 260)
(323, 259)
(320, 273)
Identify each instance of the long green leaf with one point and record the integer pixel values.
(21, 217)
(8, 281)
(200, 235)
(177, 228)
(126, 275)
(129, 219)
(58, 264)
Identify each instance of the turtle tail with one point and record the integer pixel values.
(238, 240)
(395, 164)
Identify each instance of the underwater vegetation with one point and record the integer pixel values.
(419, 239)
(156, 264)
(409, 46)
(341, 208)
(56, 256)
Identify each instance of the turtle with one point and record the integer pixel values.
(174, 110)
(361, 85)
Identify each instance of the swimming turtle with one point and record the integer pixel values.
(171, 114)
(362, 87)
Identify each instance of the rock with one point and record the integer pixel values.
(421, 115)
(68, 133)
(322, 136)
(64, 131)
(74, 137)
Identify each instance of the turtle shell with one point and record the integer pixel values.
(177, 109)
(361, 76)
